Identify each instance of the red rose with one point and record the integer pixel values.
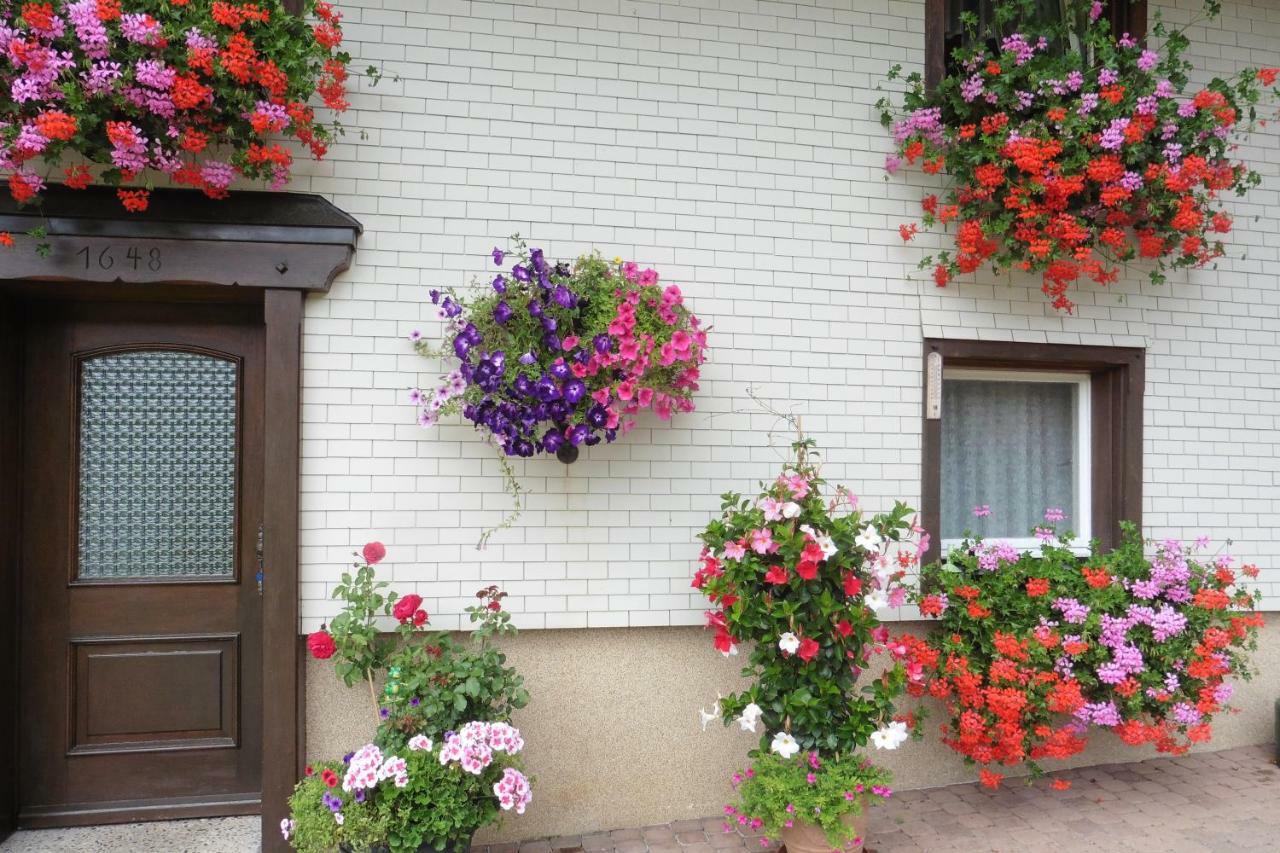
(419, 618)
(808, 649)
(406, 606)
(374, 552)
(330, 778)
(807, 569)
(321, 645)
(495, 606)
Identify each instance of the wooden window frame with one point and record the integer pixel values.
(1117, 381)
(1125, 15)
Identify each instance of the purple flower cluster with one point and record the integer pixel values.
(1072, 610)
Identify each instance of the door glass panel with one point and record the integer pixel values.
(157, 477)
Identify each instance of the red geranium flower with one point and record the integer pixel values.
(321, 645)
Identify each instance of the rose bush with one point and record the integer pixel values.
(799, 578)
(1074, 150)
(199, 91)
(1032, 650)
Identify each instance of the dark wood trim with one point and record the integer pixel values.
(935, 51)
(1117, 382)
(10, 525)
(269, 240)
(176, 808)
(282, 735)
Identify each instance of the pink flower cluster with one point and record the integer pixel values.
(685, 352)
(473, 747)
(513, 790)
(368, 767)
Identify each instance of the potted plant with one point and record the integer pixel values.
(799, 577)
(445, 759)
(1035, 649)
(1073, 150)
(552, 357)
(200, 93)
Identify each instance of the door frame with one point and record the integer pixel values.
(266, 248)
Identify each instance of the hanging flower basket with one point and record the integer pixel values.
(1072, 150)
(201, 92)
(554, 356)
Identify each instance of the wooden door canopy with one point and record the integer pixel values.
(293, 241)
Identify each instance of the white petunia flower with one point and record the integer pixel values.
(784, 744)
(891, 736)
(750, 716)
(790, 509)
(868, 539)
(789, 642)
(876, 600)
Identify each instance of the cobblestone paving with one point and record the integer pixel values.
(1211, 802)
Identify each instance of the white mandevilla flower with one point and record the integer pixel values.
(868, 539)
(750, 716)
(789, 642)
(891, 736)
(876, 600)
(825, 542)
(784, 744)
(708, 716)
(790, 509)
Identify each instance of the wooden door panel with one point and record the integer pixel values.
(142, 623)
(152, 693)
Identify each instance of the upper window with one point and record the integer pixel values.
(945, 28)
(1017, 431)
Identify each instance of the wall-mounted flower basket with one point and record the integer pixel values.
(1073, 150)
(556, 356)
(201, 92)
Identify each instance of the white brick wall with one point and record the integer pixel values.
(734, 146)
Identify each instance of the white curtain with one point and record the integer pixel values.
(1010, 446)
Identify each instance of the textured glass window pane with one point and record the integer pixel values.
(1011, 446)
(157, 466)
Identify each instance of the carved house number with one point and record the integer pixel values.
(132, 257)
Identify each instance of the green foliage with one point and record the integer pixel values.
(315, 828)
(362, 651)
(452, 684)
(817, 700)
(777, 791)
(441, 805)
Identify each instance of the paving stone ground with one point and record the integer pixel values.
(1211, 802)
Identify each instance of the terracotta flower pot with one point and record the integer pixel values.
(805, 837)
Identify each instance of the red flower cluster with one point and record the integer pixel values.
(1031, 650)
(193, 91)
(1069, 172)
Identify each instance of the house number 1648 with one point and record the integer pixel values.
(133, 258)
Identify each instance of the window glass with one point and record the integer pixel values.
(157, 468)
(1012, 446)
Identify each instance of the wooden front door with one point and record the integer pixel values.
(140, 604)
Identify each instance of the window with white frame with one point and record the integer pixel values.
(1015, 429)
(1015, 444)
